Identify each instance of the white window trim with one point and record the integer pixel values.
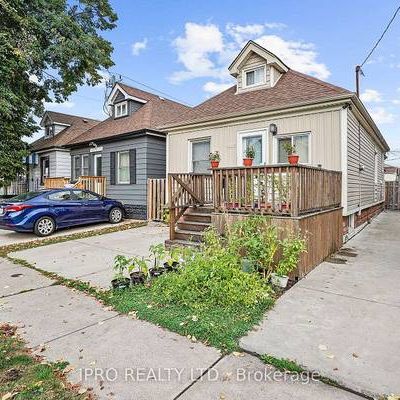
(119, 182)
(190, 150)
(244, 134)
(247, 70)
(286, 136)
(119, 106)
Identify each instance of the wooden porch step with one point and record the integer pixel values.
(196, 217)
(196, 226)
(184, 234)
(179, 243)
(200, 210)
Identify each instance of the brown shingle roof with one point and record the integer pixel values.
(78, 125)
(156, 112)
(292, 88)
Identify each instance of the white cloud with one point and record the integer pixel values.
(206, 50)
(214, 88)
(138, 47)
(396, 102)
(195, 50)
(371, 96)
(381, 116)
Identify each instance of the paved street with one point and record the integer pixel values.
(343, 319)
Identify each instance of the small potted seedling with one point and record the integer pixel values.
(172, 259)
(214, 158)
(249, 155)
(292, 247)
(290, 149)
(139, 270)
(158, 252)
(120, 281)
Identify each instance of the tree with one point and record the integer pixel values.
(47, 49)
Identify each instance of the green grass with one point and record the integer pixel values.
(218, 327)
(282, 364)
(24, 376)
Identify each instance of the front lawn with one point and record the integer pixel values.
(24, 376)
(217, 326)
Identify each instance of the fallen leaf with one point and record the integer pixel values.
(329, 355)
(82, 390)
(355, 355)
(322, 347)
(238, 354)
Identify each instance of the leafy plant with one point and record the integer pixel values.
(173, 256)
(158, 252)
(139, 264)
(289, 148)
(292, 247)
(215, 156)
(250, 152)
(120, 266)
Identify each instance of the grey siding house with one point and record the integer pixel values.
(127, 148)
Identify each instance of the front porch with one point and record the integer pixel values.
(95, 184)
(296, 197)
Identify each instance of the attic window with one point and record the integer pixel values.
(48, 131)
(121, 109)
(254, 76)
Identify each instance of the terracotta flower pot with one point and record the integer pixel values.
(214, 164)
(247, 162)
(293, 159)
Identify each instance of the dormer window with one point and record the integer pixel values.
(48, 131)
(254, 77)
(121, 109)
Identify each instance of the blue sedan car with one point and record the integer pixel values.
(45, 211)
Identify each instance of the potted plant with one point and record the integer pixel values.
(249, 155)
(214, 158)
(292, 247)
(158, 252)
(120, 281)
(290, 149)
(172, 260)
(139, 270)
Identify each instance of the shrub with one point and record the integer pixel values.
(212, 277)
(292, 247)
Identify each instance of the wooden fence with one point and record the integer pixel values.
(95, 184)
(392, 195)
(156, 199)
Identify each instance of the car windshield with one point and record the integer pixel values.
(24, 197)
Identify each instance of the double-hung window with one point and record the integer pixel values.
(85, 165)
(301, 141)
(77, 166)
(121, 109)
(256, 140)
(123, 175)
(200, 151)
(254, 76)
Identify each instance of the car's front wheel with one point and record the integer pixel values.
(44, 226)
(115, 216)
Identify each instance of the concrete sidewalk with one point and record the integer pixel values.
(343, 319)
(122, 358)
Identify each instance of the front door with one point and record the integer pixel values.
(44, 169)
(97, 165)
(200, 156)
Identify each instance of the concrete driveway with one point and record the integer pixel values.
(11, 237)
(91, 259)
(343, 319)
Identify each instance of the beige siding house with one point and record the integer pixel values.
(271, 105)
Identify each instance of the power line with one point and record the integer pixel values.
(381, 37)
(151, 88)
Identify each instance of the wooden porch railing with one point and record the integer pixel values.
(276, 190)
(185, 190)
(96, 184)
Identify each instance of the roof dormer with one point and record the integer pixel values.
(52, 126)
(122, 104)
(256, 68)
